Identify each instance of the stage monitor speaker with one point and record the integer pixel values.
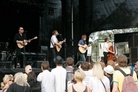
(5, 64)
(133, 40)
(133, 55)
(37, 64)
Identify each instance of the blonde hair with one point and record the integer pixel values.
(79, 75)
(6, 78)
(19, 79)
(97, 71)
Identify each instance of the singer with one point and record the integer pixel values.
(54, 42)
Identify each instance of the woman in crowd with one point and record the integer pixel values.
(78, 86)
(7, 81)
(99, 82)
(20, 84)
(34, 84)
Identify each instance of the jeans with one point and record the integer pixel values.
(82, 57)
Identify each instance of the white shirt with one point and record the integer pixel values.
(47, 81)
(53, 41)
(86, 80)
(105, 45)
(60, 79)
(96, 85)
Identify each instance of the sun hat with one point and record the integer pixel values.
(109, 69)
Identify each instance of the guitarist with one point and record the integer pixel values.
(82, 43)
(54, 41)
(19, 38)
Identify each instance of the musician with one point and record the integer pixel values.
(19, 38)
(82, 43)
(106, 50)
(54, 41)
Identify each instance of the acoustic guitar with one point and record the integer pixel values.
(25, 42)
(58, 47)
(84, 49)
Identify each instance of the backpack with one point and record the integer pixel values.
(129, 85)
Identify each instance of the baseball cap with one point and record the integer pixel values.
(109, 69)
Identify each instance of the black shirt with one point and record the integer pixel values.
(17, 88)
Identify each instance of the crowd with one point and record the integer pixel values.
(87, 77)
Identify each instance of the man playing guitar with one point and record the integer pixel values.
(19, 38)
(55, 46)
(82, 44)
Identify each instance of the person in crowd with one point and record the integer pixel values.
(72, 81)
(79, 75)
(20, 84)
(118, 77)
(7, 81)
(136, 68)
(70, 64)
(60, 75)
(46, 78)
(102, 64)
(108, 71)
(69, 68)
(112, 63)
(90, 67)
(28, 69)
(83, 45)
(85, 67)
(20, 40)
(34, 84)
(99, 82)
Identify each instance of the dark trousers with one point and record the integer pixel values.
(54, 54)
(82, 57)
(105, 57)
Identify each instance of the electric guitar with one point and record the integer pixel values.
(84, 49)
(25, 42)
(59, 46)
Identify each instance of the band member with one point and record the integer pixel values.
(19, 39)
(106, 50)
(82, 44)
(54, 41)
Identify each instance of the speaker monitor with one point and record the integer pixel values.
(133, 40)
(5, 64)
(133, 54)
(37, 64)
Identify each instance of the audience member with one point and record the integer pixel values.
(102, 64)
(108, 72)
(99, 82)
(70, 64)
(111, 62)
(118, 77)
(34, 84)
(79, 75)
(28, 68)
(60, 75)
(85, 67)
(7, 81)
(46, 78)
(20, 84)
(136, 68)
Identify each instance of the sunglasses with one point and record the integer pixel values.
(11, 80)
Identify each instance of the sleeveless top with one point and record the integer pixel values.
(73, 90)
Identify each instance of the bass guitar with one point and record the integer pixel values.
(25, 42)
(58, 46)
